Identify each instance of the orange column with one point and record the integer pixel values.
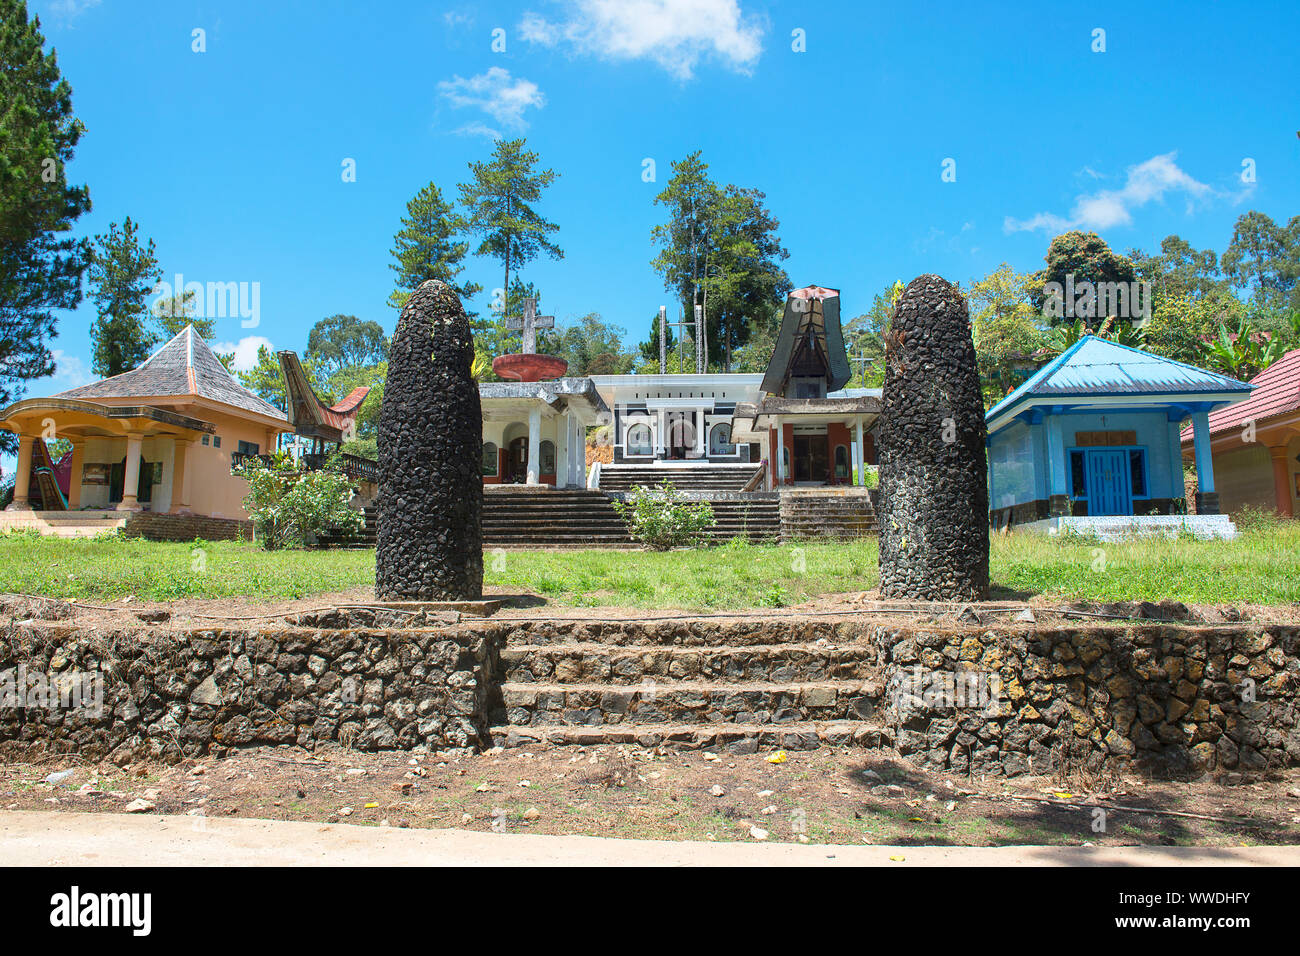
(181, 477)
(74, 475)
(1282, 480)
(23, 475)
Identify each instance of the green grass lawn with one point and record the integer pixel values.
(1261, 567)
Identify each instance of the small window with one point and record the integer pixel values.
(489, 459)
(841, 461)
(548, 458)
(205, 439)
(1137, 467)
(1078, 475)
(720, 440)
(216, 441)
(249, 447)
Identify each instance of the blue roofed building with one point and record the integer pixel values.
(1091, 442)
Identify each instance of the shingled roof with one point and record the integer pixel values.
(184, 366)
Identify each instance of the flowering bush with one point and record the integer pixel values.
(660, 518)
(290, 506)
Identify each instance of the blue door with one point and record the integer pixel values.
(1109, 486)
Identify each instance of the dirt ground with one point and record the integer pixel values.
(823, 796)
(233, 612)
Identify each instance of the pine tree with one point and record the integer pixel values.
(498, 204)
(123, 272)
(426, 247)
(40, 266)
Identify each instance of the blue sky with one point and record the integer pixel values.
(232, 158)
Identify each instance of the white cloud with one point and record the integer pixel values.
(497, 93)
(675, 34)
(1146, 182)
(69, 372)
(68, 9)
(245, 350)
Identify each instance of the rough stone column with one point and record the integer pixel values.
(934, 522)
(430, 544)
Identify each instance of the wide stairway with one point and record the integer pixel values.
(695, 477)
(828, 513)
(739, 685)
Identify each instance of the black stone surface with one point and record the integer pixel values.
(934, 531)
(430, 539)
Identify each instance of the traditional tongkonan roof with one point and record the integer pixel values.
(311, 417)
(810, 341)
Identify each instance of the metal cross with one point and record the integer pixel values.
(529, 323)
(861, 360)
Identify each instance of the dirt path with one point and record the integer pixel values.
(50, 838)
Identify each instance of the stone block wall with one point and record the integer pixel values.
(170, 694)
(169, 527)
(1170, 698)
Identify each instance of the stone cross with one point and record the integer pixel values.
(529, 323)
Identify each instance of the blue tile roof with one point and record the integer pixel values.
(1096, 366)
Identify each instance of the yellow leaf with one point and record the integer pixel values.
(371, 806)
(898, 859)
(778, 757)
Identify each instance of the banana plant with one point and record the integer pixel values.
(1241, 354)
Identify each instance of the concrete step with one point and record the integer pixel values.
(733, 738)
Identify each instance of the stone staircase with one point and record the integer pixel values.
(739, 685)
(828, 513)
(694, 477)
(552, 519)
(756, 516)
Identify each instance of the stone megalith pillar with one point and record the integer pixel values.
(934, 521)
(430, 454)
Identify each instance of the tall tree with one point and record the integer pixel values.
(719, 250)
(40, 265)
(1264, 259)
(345, 341)
(1086, 257)
(864, 338)
(499, 208)
(427, 247)
(591, 347)
(123, 272)
(1178, 270)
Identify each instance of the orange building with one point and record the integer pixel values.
(156, 440)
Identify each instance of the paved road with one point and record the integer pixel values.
(51, 838)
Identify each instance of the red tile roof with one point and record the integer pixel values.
(1277, 392)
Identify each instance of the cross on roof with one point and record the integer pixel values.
(529, 323)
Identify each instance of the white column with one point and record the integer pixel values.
(131, 478)
(23, 476)
(563, 434)
(661, 437)
(860, 456)
(578, 449)
(780, 454)
(534, 445)
(699, 432)
(1201, 447)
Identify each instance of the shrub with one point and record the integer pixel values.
(290, 506)
(660, 518)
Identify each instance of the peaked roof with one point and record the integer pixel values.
(309, 415)
(1277, 391)
(183, 366)
(1096, 366)
(815, 309)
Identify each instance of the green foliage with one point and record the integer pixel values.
(591, 347)
(1084, 255)
(499, 208)
(40, 263)
(864, 337)
(345, 341)
(291, 507)
(427, 247)
(719, 249)
(1241, 354)
(1264, 259)
(1007, 329)
(123, 272)
(660, 518)
(1181, 324)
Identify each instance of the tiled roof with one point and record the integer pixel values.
(184, 366)
(1277, 392)
(1097, 366)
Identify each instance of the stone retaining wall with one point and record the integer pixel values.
(171, 694)
(170, 527)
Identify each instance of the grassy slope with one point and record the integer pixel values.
(1260, 567)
